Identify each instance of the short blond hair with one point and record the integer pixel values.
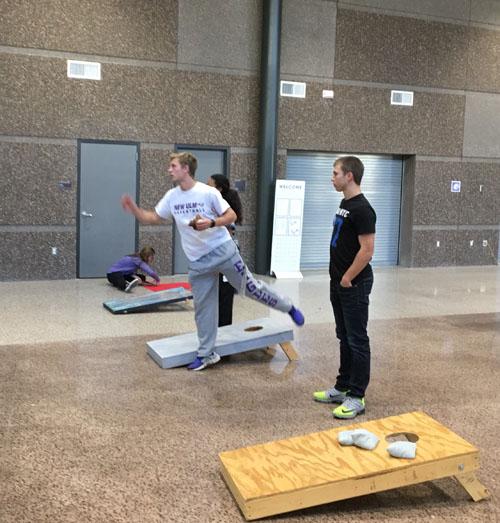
(186, 159)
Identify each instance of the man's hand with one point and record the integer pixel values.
(128, 204)
(199, 223)
(345, 282)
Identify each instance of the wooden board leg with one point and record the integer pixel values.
(289, 350)
(472, 485)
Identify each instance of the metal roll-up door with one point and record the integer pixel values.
(381, 184)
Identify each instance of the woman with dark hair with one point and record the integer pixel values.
(126, 273)
(226, 290)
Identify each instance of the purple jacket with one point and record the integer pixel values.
(130, 265)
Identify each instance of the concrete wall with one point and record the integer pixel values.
(183, 72)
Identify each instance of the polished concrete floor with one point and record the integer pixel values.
(92, 430)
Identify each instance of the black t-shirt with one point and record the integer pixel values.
(354, 217)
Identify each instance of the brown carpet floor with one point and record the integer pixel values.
(95, 431)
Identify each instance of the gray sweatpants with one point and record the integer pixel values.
(204, 279)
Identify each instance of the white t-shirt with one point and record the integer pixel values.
(183, 206)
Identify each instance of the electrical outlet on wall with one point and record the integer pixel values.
(54, 251)
(485, 243)
(471, 243)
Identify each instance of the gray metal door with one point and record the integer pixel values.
(381, 184)
(210, 161)
(105, 231)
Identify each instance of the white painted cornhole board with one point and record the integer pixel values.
(149, 301)
(177, 351)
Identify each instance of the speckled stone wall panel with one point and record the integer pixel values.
(155, 180)
(455, 9)
(407, 210)
(246, 240)
(394, 49)
(364, 121)
(477, 254)
(127, 28)
(480, 202)
(29, 184)
(425, 252)
(216, 109)
(308, 38)
(244, 167)
(482, 125)
(281, 165)
(161, 240)
(483, 67)
(28, 255)
(485, 11)
(306, 123)
(129, 103)
(220, 34)
(15, 95)
(434, 203)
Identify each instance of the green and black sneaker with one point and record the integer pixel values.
(350, 408)
(329, 396)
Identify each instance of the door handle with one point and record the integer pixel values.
(87, 214)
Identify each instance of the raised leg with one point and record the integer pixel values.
(471, 484)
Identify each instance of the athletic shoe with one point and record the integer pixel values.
(329, 396)
(131, 284)
(203, 363)
(296, 316)
(350, 408)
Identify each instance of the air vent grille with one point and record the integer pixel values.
(401, 97)
(84, 70)
(293, 89)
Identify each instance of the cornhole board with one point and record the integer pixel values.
(232, 339)
(164, 286)
(310, 470)
(148, 301)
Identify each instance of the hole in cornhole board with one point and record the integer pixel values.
(402, 436)
(254, 328)
(166, 286)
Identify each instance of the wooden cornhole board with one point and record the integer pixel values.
(310, 470)
(176, 351)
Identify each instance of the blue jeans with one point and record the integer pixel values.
(350, 308)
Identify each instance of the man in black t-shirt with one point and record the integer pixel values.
(351, 280)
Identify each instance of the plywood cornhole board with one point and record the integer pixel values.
(144, 302)
(310, 470)
(176, 351)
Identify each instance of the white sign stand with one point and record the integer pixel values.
(287, 228)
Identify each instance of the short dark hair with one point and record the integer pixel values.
(230, 195)
(352, 164)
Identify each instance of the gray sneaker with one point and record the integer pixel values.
(350, 408)
(131, 284)
(329, 396)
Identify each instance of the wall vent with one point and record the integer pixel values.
(401, 97)
(84, 70)
(293, 89)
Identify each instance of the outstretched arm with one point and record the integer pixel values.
(144, 216)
